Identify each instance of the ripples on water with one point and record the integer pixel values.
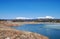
(50, 30)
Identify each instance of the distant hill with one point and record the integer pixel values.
(31, 20)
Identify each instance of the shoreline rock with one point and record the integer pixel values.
(8, 33)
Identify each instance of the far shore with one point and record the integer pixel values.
(9, 23)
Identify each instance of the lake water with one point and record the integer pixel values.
(50, 30)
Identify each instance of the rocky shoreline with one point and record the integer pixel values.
(9, 33)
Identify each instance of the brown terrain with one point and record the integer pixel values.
(6, 32)
(9, 33)
(9, 23)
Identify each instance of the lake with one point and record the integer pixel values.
(52, 31)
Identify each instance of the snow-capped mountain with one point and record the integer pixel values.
(46, 17)
(23, 18)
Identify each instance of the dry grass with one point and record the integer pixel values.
(9, 33)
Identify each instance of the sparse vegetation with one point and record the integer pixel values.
(9, 33)
(17, 22)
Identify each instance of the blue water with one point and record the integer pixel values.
(50, 30)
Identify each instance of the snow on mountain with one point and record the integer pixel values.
(46, 17)
(23, 18)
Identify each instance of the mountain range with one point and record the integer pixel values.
(46, 17)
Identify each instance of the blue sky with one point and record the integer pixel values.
(29, 8)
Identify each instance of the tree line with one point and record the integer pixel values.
(32, 20)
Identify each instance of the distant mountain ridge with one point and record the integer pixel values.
(38, 19)
(46, 17)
